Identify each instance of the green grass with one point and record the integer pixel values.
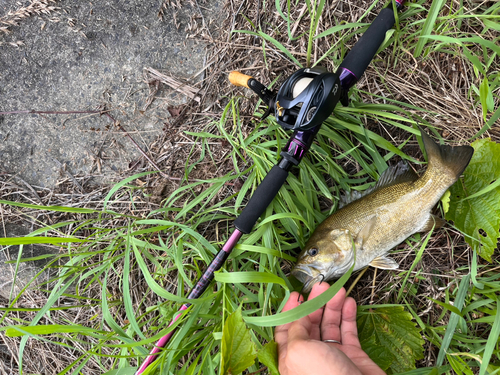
(163, 254)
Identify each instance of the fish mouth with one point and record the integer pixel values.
(304, 275)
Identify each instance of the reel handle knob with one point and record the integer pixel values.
(239, 79)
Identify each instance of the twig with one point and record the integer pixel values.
(373, 286)
(183, 88)
(153, 89)
(29, 187)
(63, 167)
(49, 112)
(356, 281)
(191, 180)
(203, 19)
(120, 126)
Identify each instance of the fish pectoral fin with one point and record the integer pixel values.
(433, 222)
(365, 233)
(384, 263)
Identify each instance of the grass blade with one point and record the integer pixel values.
(273, 41)
(452, 324)
(249, 277)
(429, 24)
(492, 342)
(9, 241)
(302, 310)
(127, 301)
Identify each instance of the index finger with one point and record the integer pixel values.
(281, 332)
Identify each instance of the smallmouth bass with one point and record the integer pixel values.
(374, 222)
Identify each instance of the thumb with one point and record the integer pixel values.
(300, 330)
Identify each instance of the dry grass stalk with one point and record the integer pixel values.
(167, 6)
(13, 18)
(183, 88)
(35, 8)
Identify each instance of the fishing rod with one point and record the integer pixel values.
(306, 99)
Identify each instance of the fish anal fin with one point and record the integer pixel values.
(433, 222)
(384, 263)
(365, 233)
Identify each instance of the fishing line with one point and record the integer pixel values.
(300, 293)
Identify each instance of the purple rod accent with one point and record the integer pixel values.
(232, 241)
(196, 292)
(345, 72)
(161, 343)
(347, 78)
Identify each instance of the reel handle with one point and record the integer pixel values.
(239, 79)
(242, 80)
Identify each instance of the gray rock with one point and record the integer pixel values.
(92, 57)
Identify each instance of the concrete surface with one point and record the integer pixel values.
(27, 270)
(89, 54)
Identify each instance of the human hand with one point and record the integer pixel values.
(300, 346)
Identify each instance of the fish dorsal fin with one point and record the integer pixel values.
(351, 196)
(433, 222)
(384, 263)
(393, 175)
(396, 174)
(365, 233)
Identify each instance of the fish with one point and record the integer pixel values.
(368, 225)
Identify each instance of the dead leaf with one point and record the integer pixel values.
(175, 111)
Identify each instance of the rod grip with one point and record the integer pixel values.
(367, 46)
(239, 79)
(262, 197)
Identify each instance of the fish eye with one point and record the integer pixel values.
(313, 252)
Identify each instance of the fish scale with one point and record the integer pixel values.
(398, 206)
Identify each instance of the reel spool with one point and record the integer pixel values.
(307, 98)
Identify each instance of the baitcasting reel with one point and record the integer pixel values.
(307, 98)
(304, 101)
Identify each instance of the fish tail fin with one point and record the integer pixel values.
(449, 160)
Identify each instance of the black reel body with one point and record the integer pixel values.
(307, 98)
